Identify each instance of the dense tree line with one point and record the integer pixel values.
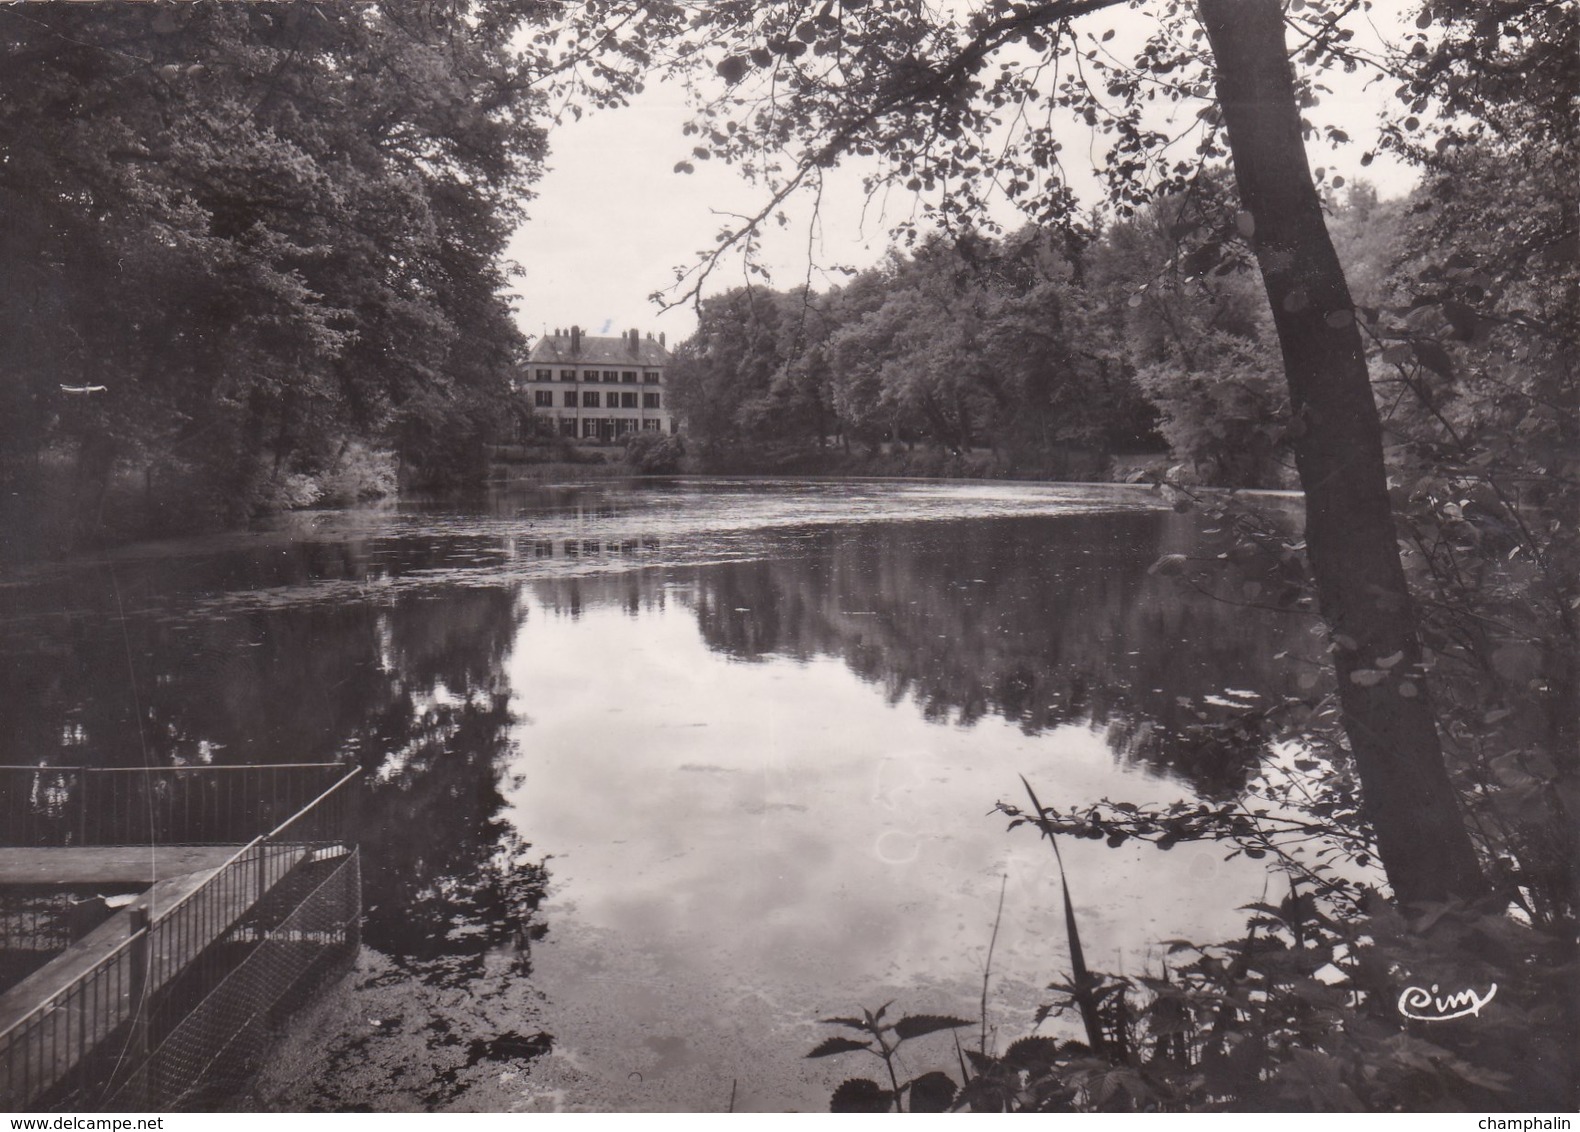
(1140, 338)
(1029, 345)
(247, 245)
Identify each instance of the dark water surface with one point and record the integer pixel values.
(659, 774)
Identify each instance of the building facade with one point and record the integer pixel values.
(600, 388)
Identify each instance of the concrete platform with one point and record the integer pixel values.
(110, 865)
(168, 953)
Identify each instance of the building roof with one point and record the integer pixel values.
(555, 349)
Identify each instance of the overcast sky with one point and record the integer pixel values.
(612, 220)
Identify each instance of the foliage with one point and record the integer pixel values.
(1305, 1013)
(1190, 323)
(1475, 345)
(930, 1092)
(251, 234)
(654, 454)
(975, 341)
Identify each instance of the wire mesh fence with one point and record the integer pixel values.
(201, 805)
(206, 1030)
(194, 976)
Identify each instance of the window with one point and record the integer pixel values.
(570, 398)
(544, 375)
(568, 425)
(543, 399)
(650, 378)
(628, 376)
(652, 426)
(611, 375)
(627, 400)
(567, 375)
(589, 398)
(650, 400)
(589, 428)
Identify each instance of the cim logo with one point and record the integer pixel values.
(1428, 1006)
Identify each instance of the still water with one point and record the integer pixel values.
(660, 774)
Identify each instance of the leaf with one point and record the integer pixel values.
(860, 1094)
(915, 1025)
(733, 69)
(1398, 354)
(1368, 677)
(1507, 769)
(1203, 259)
(1462, 318)
(1433, 357)
(1518, 662)
(830, 1046)
(1037, 1052)
(932, 1092)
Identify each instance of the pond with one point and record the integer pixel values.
(658, 774)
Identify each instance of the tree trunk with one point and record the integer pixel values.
(1350, 533)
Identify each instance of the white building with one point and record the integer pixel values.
(600, 388)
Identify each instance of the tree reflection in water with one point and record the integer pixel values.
(414, 691)
(1044, 622)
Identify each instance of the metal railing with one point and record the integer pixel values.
(211, 1034)
(200, 805)
(91, 1033)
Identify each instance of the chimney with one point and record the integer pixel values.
(660, 339)
(576, 339)
(635, 343)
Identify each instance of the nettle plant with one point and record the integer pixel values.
(1301, 1013)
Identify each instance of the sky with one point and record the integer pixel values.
(611, 220)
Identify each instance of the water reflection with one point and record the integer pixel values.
(1040, 625)
(757, 745)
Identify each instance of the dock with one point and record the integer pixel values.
(139, 1011)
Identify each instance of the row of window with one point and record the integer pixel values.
(544, 399)
(608, 376)
(608, 428)
(575, 548)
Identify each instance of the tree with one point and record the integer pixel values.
(257, 233)
(721, 379)
(1337, 440)
(947, 105)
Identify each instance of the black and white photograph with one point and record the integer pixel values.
(708, 556)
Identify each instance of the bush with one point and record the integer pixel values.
(654, 454)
